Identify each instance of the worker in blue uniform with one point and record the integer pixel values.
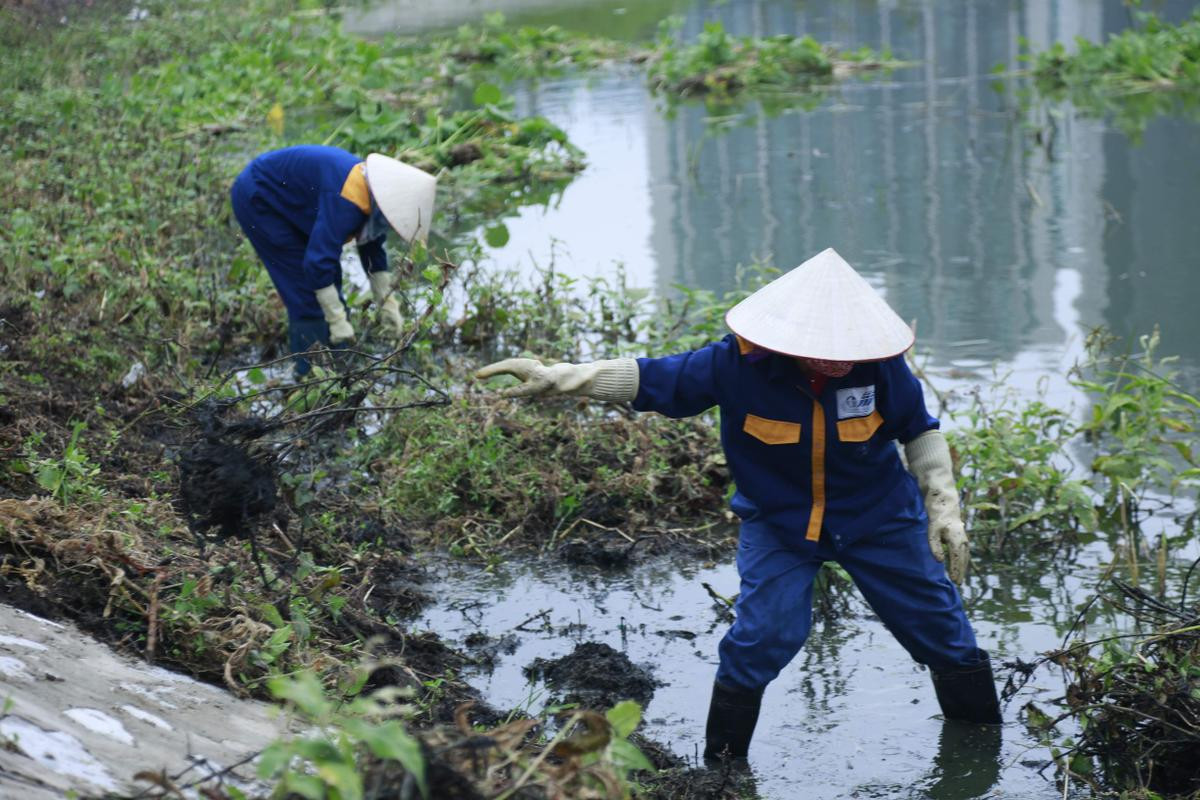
(814, 393)
(299, 206)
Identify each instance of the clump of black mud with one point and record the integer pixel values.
(226, 481)
(596, 553)
(595, 676)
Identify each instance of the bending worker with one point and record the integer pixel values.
(813, 392)
(300, 205)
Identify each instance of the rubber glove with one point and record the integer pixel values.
(929, 461)
(385, 299)
(340, 331)
(615, 380)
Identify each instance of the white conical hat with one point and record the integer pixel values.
(821, 309)
(404, 195)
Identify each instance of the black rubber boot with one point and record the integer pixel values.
(732, 715)
(968, 694)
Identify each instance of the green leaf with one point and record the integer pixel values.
(431, 273)
(304, 690)
(487, 94)
(268, 610)
(279, 642)
(308, 786)
(627, 757)
(273, 759)
(256, 376)
(496, 236)
(391, 741)
(624, 717)
(417, 252)
(50, 478)
(344, 778)
(318, 751)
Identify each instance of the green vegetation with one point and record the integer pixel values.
(723, 64)
(1135, 76)
(129, 299)
(1133, 696)
(1156, 56)
(523, 51)
(1015, 456)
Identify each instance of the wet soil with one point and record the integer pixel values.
(225, 486)
(596, 676)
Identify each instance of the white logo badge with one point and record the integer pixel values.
(857, 401)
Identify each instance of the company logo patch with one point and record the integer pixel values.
(857, 401)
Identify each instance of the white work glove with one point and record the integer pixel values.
(615, 380)
(929, 461)
(340, 331)
(385, 299)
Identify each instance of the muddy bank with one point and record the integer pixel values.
(123, 559)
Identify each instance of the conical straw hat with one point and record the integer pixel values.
(821, 309)
(404, 195)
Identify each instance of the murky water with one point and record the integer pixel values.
(852, 716)
(1004, 249)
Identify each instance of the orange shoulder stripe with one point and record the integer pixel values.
(355, 189)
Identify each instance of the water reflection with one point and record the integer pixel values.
(928, 180)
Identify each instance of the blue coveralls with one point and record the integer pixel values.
(299, 206)
(818, 479)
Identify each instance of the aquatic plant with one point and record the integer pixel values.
(1014, 470)
(1155, 56)
(721, 63)
(1134, 76)
(524, 51)
(1142, 426)
(1028, 467)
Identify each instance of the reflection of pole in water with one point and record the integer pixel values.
(930, 183)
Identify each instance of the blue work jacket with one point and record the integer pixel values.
(802, 463)
(322, 193)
